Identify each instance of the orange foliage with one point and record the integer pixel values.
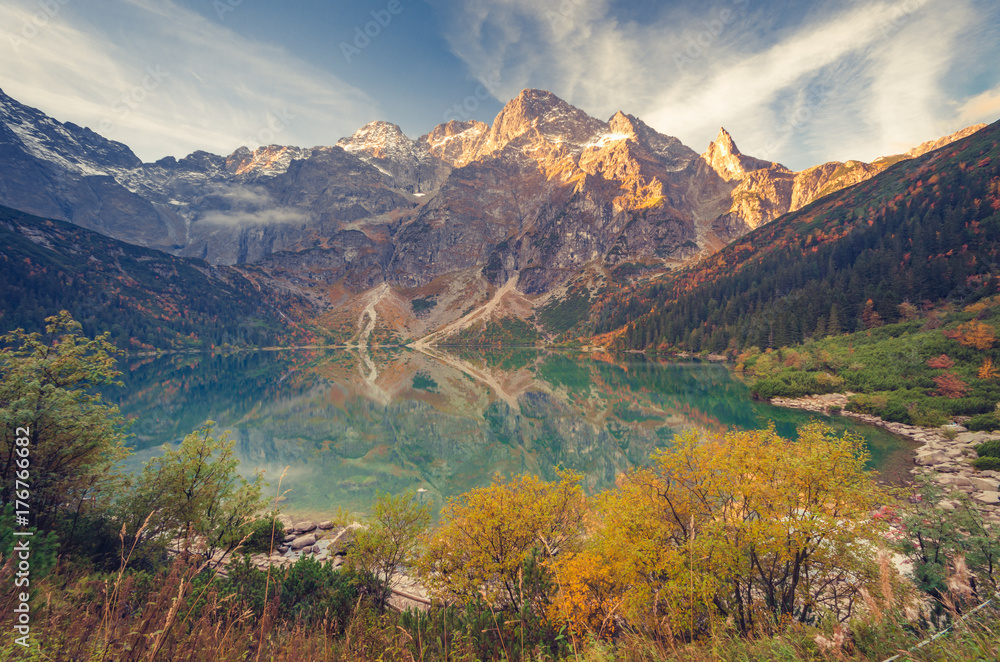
(986, 370)
(950, 385)
(942, 362)
(975, 334)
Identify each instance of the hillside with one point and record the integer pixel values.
(147, 299)
(925, 230)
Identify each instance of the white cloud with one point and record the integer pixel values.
(848, 81)
(166, 81)
(983, 107)
(261, 217)
(244, 196)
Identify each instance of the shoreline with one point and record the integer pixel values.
(946, 460)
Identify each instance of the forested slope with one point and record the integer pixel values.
(144, 297)
(923, 231)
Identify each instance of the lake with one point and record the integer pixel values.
(348, 423)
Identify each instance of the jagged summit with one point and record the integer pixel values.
(726, 159)
(383, 140)
(455, 142)
(725, 144)
(543, 115)
(74, 148)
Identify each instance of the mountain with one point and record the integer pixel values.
(146, 298)
(923, 231)
(470, 225)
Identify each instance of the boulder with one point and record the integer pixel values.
(303, 541)
(289, 538)
(985, 484)
(991, 498)
(928, 459)
(326, 525)
(305, 526)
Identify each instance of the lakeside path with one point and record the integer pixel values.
(946, 460)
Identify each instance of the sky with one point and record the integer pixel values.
(800, 83)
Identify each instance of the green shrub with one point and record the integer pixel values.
(260, 540)
(987, 463)
(926, 417)
(795, 384)
(984, 422)
(989, 448)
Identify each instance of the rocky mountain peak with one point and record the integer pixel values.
(455, 142)
(623, 123)
(675, 154)
(544, 116)
(725, 158)
(72, 148)
(724, 143)
(383, 140)
(268, 160)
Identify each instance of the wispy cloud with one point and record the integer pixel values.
(841, 81)
(983, 107)
(261, 217)
(215, 90)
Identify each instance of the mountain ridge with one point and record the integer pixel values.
(545, 195)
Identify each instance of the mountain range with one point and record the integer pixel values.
(470, 232)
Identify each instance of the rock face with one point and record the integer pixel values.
(538, 197)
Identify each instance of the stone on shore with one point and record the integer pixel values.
(304, 527)
(303, 541)
(991, 498)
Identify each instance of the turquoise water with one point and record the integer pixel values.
(344, 424)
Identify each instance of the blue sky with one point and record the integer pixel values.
(800, 83)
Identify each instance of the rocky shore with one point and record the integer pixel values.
(327, 542)
(945, 453)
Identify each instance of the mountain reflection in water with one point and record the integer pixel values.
(349, 423)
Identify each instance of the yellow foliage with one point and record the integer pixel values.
(485, 536)
(748, 527)
(977, 335)
(987, 370)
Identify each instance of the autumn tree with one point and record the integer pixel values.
(487, 535)
(869, 316)
(908, 312)
(48, 398)
(987, 370)
(975, 334)
(942, 362)
(748, 528)
(950, 385)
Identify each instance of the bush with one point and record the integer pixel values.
(260, 540)
(795, 384)
(984, 422)
(987, 463)
(989, 448)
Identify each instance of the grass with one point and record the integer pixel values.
(896, 370)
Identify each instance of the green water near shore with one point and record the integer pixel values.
(343, 425)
